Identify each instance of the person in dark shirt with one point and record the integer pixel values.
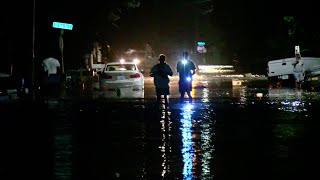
(186, 69)
(160, 72)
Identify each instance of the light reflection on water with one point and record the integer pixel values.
(196, 121)
(240, 92)
(165, 148)
(63, 146)
(197, 140)
(63, 162)
(187, 140)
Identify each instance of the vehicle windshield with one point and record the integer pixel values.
(121, 67)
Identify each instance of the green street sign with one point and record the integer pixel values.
(201, 43)
(62, 25)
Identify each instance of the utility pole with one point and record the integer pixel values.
(33, 87)
(61, 48)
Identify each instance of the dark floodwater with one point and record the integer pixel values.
(226, 132)
(212, 138)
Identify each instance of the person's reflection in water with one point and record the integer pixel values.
(165, 148)
(298, 94)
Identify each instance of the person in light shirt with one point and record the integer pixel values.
(52, 78)
(298, 70)
(51, 65)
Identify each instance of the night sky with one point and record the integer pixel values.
(253, 31)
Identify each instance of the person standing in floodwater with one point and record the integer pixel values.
(160, 73)
(186, 69)
(298, 70)
(51, 79)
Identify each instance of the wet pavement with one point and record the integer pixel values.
(226, 132)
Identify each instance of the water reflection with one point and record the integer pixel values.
(63, 152)
(293, 106)
(285, 94)
(240, 92)
(205, 94)
(120, 94)
(206, 148)
(165, 148)
(288, 99)
(187, 141)
(289, 130)
(63, 146)
(197, 140)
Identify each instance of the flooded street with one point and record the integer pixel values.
(226, 132)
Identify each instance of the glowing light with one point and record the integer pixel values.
(184, 62)
(136, 61)
(216, 69)
(188, 78)
(122, 61)
(189, 107)
(259, 95)
(187, 141)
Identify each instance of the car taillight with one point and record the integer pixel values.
(106, 76)
(137, 75)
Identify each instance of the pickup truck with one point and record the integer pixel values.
(281, 70)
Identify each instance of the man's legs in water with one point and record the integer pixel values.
(182, 88)
(165, 99)
(158, 98)
(182, 93)
(189, 94)
(189, 87)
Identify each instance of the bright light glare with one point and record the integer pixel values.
(187, 141)
(184, 61)
(216, 69)
(189, 106)
(188, 78)
(136, 61)
(122, 61)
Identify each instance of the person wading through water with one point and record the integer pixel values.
(160, 73)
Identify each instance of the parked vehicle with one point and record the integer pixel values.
(71, 80)
(280, 71)
(121, 75)
(312, 81)
(76, 81)
(12, 88)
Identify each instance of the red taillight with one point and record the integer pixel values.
(137, 75)
(106, 76)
